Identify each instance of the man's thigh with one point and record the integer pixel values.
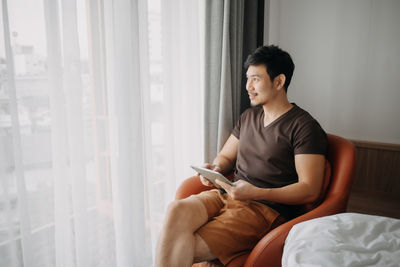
(212, 200)
(238, 227)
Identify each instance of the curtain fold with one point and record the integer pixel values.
(223, 52)
(181, 76)
(59, 146)
(74, 119)
(24, 235)
(127, 154)
(233, 29)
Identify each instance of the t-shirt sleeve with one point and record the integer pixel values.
(310, 139)
(242, 121)
(236, 130)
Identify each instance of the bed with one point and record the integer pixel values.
(346, 239)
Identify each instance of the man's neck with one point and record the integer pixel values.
(272, 111)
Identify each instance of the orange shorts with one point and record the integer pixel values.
(234, 227)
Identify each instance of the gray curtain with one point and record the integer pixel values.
(232, 31)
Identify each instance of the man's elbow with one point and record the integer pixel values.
(312, 196)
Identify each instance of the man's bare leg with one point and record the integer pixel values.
(178, 244)
(203, 253)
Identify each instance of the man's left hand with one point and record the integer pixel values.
(241, 190)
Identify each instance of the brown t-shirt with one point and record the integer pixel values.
(266, 154)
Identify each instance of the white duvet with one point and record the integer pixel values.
(346, 239)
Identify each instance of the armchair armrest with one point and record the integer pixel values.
(193, 185)
(190, 186)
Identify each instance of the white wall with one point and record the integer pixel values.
(347, 57)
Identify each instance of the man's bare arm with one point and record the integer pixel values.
(226, 158)
(310, 169)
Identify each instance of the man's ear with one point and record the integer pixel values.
(279, 81)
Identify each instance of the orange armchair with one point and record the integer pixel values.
(268, 251)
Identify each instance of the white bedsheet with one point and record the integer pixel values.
(347, 239)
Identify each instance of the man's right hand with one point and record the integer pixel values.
(213, 167)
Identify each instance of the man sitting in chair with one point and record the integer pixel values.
(279, 150)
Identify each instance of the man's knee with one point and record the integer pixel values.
(186, 212)
(178, 209)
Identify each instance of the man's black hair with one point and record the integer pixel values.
(275, 60)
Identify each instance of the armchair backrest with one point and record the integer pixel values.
(342, 157)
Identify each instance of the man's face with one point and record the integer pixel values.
(259, 85)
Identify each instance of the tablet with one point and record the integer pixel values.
(212, 176)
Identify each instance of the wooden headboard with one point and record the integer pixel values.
(376, 188)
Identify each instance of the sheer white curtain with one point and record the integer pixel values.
(100, 117)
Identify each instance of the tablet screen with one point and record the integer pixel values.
(212, 175)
